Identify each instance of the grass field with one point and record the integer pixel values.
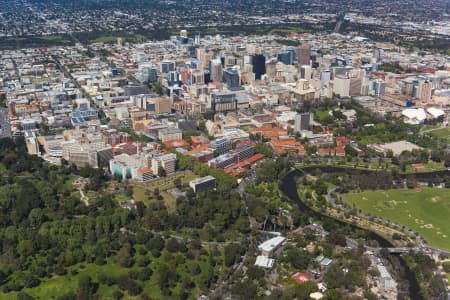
(443, 134)
(426, 212)
(321, 114)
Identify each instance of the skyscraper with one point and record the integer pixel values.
(216, 70)
(231, 78)
(259, 65)
(303, 55)
(286, 57)
(425, 91)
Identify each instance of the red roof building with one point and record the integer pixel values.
(240, 168)
(283, 146)
(302, 277)
(269, 131)
(176, 144)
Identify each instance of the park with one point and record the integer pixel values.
(425, 210)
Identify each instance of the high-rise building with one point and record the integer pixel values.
(341, 85)
(286, 57)
(425, 91)
(231, 78)
(165, 162)
(166, 67)
(216, 70)
(303, 121)
(306, 72)
(259, 65)
(325, 77)
(303, 55)
(152, 75)
(224, 101)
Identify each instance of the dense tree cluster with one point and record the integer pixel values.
(47, 231)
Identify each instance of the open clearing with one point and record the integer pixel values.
(426, 211)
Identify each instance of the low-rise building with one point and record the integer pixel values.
(221, 145)
(264, 262)
(223, 161)
(268, 247)
(203, 183)
(169, 134)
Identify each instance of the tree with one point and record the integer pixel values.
(124, 257)
(25, 248)
(255, 272)
(117, 295)
(437, 289)
(298, 258)
(303, 290)
(177, 182)
(245, 290)
(231, 254)
(85, 286)
(24, 296)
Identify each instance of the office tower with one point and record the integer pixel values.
(174, 77)
(305, 72)
(325, 77)
(152, 75)
(341, 85)
(259, 65)
(355, 86)
(303, 55)
(197, 77)
(207, 78)
(271, 67)
(303, 121)
(165, 162)
(425, 91)
(231, 78)
(224, 101)
(216, 70)
(286, 57)
(167, 66)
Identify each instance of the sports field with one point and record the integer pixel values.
(426, 211)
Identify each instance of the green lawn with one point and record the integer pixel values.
(321, 114)
(426, 212)
(443, 134)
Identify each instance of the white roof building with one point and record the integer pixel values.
(264, 262)
(435, 112)
(414, 116)
(270, 245)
